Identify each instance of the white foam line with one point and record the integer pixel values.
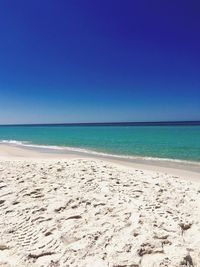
(28, 144)
(93, 152)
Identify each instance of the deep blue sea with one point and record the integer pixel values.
(168, 141)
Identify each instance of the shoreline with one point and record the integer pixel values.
(58, 149)
(78, 150)
(185, 169)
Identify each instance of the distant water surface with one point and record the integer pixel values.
(169, 141)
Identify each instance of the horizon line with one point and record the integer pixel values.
(133, 123)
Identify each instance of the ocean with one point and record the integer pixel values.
(162, 140)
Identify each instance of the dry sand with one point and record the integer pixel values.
(58, 210)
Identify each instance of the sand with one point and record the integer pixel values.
(58, 210)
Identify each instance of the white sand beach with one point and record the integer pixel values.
(65, 210)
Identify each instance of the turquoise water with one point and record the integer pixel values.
(174, 142)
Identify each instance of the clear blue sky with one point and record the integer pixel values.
(88, 61)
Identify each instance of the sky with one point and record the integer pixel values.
(99, 61)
